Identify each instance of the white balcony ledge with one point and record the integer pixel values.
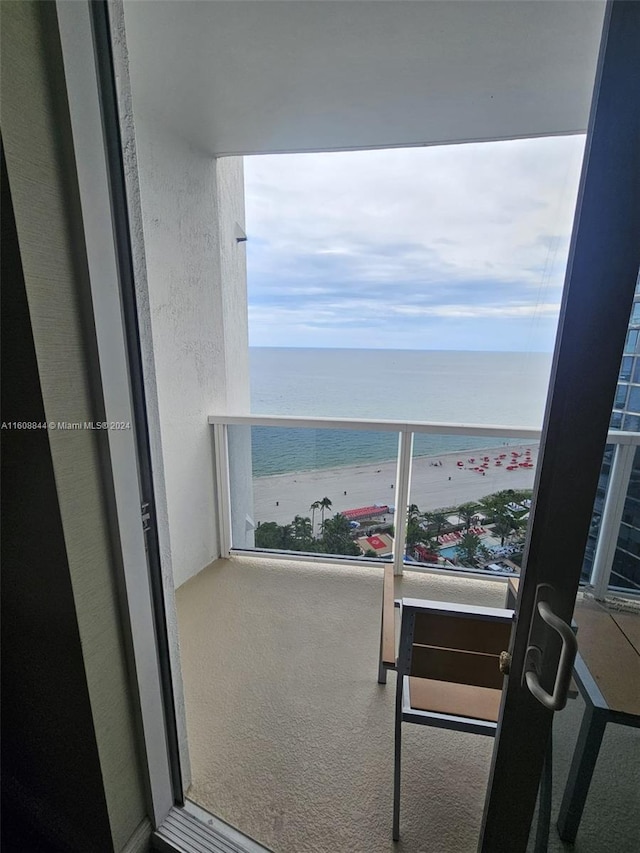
(291, 737)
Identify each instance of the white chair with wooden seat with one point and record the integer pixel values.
(448, 671)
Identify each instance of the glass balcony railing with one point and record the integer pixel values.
(432, 496)
(470, 509)
(313, 491)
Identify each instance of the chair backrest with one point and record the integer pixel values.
(452, 642)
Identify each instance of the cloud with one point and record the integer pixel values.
(401, 239)
(547, 309)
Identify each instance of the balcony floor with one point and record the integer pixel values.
(291, 737)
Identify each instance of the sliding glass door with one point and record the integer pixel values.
(597, 301)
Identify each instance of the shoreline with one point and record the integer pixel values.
(280, 497)
(461, 454)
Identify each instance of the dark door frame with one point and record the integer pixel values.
(599, 287)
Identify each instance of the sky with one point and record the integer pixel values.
(460, 247)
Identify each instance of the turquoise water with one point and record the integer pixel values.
(449, 552)
(462, 387)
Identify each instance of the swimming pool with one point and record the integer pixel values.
(449, 552)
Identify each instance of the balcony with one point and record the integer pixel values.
(291, 737)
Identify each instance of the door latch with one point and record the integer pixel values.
(544, 619)
(505, 663)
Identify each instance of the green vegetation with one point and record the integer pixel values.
(436, 521)
(466, 513)
(272, 536)
(336, 536)
(424, 528)
(325, 504)
(470, 550)
(500, 511)
(417, 534)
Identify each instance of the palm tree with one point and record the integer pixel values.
(414, 534)
(436, 519)
(336, 536)
(466, 513)
(302, 532)
(470, 550)
(314, 506)
(506, 524)
(325, 504)
(413, 512)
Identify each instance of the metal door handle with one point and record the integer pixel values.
(533, 662)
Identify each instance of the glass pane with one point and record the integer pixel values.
(626, 367)
(596, 518)
(318, 491)
(632, 340)
(621, 396)
(470, 509)
(625, 572)
(633, 404)
(616, 420)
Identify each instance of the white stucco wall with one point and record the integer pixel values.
(233, 275)
(197, 299)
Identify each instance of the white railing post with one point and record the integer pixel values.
(614, 501)
(223, 487)
(403, 486)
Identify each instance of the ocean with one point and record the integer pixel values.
(507, 388)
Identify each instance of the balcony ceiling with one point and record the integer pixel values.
(308, 75)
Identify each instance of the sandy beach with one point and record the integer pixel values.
(281, 497)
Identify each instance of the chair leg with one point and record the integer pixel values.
(397, 756)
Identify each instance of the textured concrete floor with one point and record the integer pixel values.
(291, 738)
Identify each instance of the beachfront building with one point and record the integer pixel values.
(620, 555)
(164, 688)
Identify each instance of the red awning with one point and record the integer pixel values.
(364, 512)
